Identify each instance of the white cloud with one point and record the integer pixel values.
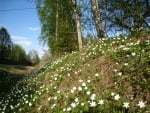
(23, 41)
(34, 28)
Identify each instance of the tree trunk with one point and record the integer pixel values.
(97, 20)
(56, 30)
(78, 25)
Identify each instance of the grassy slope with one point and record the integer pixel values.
(90, 83)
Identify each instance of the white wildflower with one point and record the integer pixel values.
(49, 98)
(69, 109)
(88, 92)
(93, 104)
(53, 106)
(101, 102)
(72, 91)
(125, 64)
(30, 104)
(73, 105)
(117, 97)
(115, 70)
(80, 88)
(40, 93)
(55, 98)
(96, 74)
(55, 78)
(93, 96)
(120, 73)
(86, 88)
(64, 109)
(126, 105)
(74, 88)
(82, 104)
(133, 54)
(83, 84)
(88, 81)
(68, 74)
(76, 72)
(112, 94)
(80, 80)
(141, 104)
(20, 109)
(76, 99)
(58, 92)
(39, 108)
(11, 107)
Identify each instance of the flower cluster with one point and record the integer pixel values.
(85, 92)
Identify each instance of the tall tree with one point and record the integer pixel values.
(18, 55)
(57, 25)
(78, 25)
(5, 42)
(97, 18)
(126, 15)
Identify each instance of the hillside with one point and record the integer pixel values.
(112, 76)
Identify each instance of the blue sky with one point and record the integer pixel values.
(22, 25)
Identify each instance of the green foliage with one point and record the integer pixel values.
(8, 80)
(5, 44)
(12, 53)
(57, 26)
(18, 55)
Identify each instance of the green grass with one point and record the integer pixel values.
(112, 76)
(8, 80)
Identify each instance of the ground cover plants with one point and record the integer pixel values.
(111, 76)
(8, 80)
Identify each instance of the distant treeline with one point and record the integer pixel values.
(11, 53)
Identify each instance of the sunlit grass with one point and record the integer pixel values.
(112, 76)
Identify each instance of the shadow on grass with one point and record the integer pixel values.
(8, 80)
